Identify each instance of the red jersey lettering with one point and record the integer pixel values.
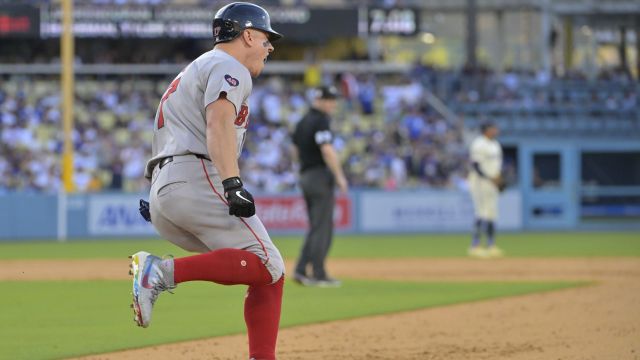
(241, 119)
(172, 88)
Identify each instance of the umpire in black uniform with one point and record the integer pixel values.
(320, 172)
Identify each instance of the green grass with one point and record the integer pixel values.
(559, 244)
(54, 319)
(47, 319)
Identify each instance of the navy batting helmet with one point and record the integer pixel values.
(232, 19)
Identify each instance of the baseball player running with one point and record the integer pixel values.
(485, 184)
(197, 199)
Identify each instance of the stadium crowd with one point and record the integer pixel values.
(387, 134)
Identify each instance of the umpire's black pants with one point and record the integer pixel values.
(318, 189)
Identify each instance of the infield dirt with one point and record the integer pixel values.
(599, 321)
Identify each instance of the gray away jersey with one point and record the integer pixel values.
(180, 125)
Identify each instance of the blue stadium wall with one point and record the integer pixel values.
(112, 215)
(522, 207)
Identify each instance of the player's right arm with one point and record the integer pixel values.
(478, 170)
(221, 137)
(476, 158)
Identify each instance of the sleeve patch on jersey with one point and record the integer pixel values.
(231, 80)
(323, 137)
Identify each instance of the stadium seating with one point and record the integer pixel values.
(393, 139)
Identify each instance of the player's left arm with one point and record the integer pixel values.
(227, 89)
(222, 146)
(499, 181)
(221, 137)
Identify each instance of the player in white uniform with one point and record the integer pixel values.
(197, 199)
(485, 184)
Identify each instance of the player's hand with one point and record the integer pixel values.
(238, 198)
(145, 210)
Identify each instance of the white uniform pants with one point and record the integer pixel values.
(484, 195)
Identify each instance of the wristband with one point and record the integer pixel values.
(232, 183)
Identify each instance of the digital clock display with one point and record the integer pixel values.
(393, 21)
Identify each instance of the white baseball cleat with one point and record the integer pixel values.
(150, 277)
(495, 252)
(477, 252)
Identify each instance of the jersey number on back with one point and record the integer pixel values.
(172, 88)
(241, 119)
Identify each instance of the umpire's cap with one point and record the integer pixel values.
(232, 19)
(326, 92)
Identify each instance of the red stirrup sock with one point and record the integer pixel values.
(223, 266)
(262, 316)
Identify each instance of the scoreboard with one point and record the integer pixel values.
(19, 21)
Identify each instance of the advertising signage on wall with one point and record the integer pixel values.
(19, 21)
(435, 211)
(111, 214)
(117, 214)
(297, 23)
(290, 212)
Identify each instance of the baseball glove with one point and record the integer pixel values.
(500, 183)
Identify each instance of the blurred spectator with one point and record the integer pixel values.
(349, 88)
(116, 176)
(367, 95)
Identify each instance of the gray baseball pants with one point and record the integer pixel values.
(318, 189)
(188, 208)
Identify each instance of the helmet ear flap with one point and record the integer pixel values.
(225, 30)
(231, 28)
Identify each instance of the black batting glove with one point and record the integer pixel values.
(238, 198)
(145, 210)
